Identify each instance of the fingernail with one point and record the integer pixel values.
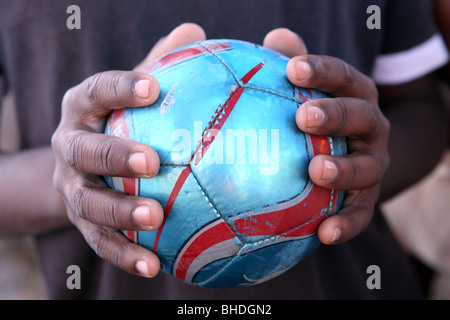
(337, 235)
(142, 216)
(142, 268)
(138, 163)
(142, 89)
(303, 70)
(314, 116)
(330, 170)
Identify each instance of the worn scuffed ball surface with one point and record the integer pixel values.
(240, 207)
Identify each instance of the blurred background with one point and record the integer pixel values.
(420, 218)
(19, 274)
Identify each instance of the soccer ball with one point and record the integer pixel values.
(239, 205)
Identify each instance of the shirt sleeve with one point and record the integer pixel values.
(412, 46)
(404, 66)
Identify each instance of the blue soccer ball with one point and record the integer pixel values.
(239, 205)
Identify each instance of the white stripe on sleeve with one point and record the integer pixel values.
(411, 64)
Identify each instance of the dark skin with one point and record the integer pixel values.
(82, 153)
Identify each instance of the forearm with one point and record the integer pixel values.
(29, 203)
(418, 137)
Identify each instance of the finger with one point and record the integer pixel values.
(341, 117)
(330, 75)
(353, 218)
(103, 92)
(349, 172)
(182, 35)
(114, 209)
(106, 155)
(286, 42)
(112, 246)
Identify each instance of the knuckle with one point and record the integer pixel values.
(55, 140)
(379, 172)
(321, 67)
(373, 116)
(86, 203)
(347, 71)
(79, 149)
(386, 125)
(102, 87)
(353, 171)
(375, 175)
(111, 211)
(103, 157)
(348, 75)
(341, 117)
(80, 199)
(67, 99)
(371, 90)
(71, 108)
(383, 129)
(94, 88)
(384, 162)
(57, 179)
(118, 256)
(98, 241)
(73, 152)
(108, 156)
(94, 154)
(377, 125)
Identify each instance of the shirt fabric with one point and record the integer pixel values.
(40, 58)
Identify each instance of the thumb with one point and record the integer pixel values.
(286, 42)
(184, 34)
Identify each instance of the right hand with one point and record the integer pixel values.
(84, 154)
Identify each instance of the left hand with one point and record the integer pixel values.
(83, 154)
(352, 112)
